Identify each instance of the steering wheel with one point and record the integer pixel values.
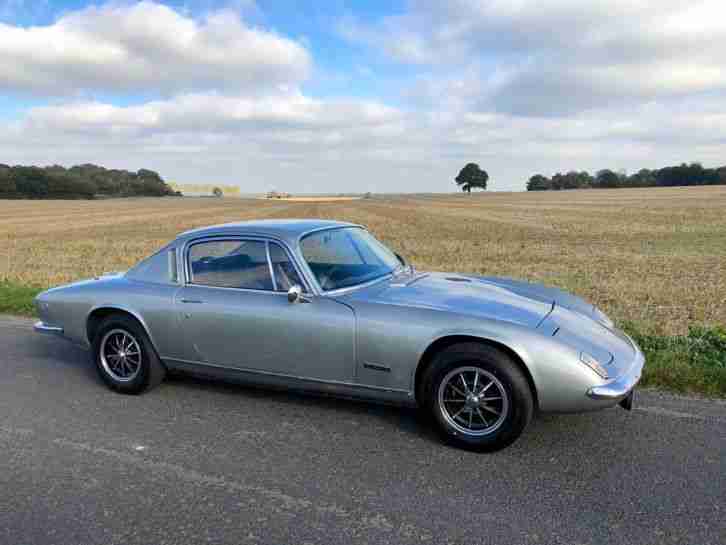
(328, 277)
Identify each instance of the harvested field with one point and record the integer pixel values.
(656, 257)
(311, 199)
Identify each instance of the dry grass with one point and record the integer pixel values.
(656, 257)
(312, 199)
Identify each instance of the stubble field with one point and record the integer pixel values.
(653, 259)
(656, 257)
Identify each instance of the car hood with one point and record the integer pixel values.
(548, 295)
(481, 297)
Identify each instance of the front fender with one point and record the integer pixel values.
(560, 380)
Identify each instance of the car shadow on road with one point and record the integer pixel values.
(569, 432)
(406, 419)
(573, 433)
(54, 351)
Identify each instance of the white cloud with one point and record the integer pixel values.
(515, 85)
(297, 143)
(213, 112)
(146, 47)
(562, 56)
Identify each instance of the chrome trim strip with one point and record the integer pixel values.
(621, 386)
(288, 253)
(244, 290)
(348, 289)
(42, 327)
(269, 265)
(191, 242)
(294, 377)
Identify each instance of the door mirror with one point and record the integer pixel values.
(295, 295)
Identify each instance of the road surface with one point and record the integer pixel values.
(204, 462)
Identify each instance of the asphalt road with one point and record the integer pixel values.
(204, 462)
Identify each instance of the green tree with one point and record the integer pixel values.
(30, 182)
(539, 183)
(558, 181)
(7, 184)
(643, 178)
(607, 178)
(572, 180)
(217, 192)
(472, 176)
(82, 181)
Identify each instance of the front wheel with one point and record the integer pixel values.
(477, 396)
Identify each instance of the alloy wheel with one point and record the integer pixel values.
(473, 401)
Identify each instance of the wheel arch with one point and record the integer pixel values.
(449, 340)
(99, 313)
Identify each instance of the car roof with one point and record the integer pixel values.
(288, 230)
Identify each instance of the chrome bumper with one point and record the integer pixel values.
(621, 386)
(42, 327)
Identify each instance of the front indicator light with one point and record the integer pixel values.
(593, 364)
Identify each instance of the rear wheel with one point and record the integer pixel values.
(477, 396)
(124, 356)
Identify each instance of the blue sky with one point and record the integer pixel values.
(362, 96)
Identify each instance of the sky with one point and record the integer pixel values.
(358, 96)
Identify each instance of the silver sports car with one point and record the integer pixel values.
(323, 306)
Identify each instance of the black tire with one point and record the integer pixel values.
(149, 372)
(477, 362)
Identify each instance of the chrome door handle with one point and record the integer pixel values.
(195, 301)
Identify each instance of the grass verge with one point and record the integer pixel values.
(16, 299)
(694, 363)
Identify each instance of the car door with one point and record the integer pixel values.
(234, 312)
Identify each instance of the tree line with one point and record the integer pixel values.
(682, 175)
(79, 182)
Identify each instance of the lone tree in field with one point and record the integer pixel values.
(217, 192)
(472, 176)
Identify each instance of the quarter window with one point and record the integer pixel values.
(160, 268)
(230, 264)
(285, 274)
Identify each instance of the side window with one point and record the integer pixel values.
(160, 268)
(285, 274)
(230, 264)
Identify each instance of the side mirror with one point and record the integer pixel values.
(295, 295)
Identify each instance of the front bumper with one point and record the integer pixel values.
(42, 327)
(619, 388)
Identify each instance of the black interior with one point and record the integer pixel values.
(332, 276)
(232, 271)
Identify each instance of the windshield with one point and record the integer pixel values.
(341, 258)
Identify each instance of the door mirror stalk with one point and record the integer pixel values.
(406, 266)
